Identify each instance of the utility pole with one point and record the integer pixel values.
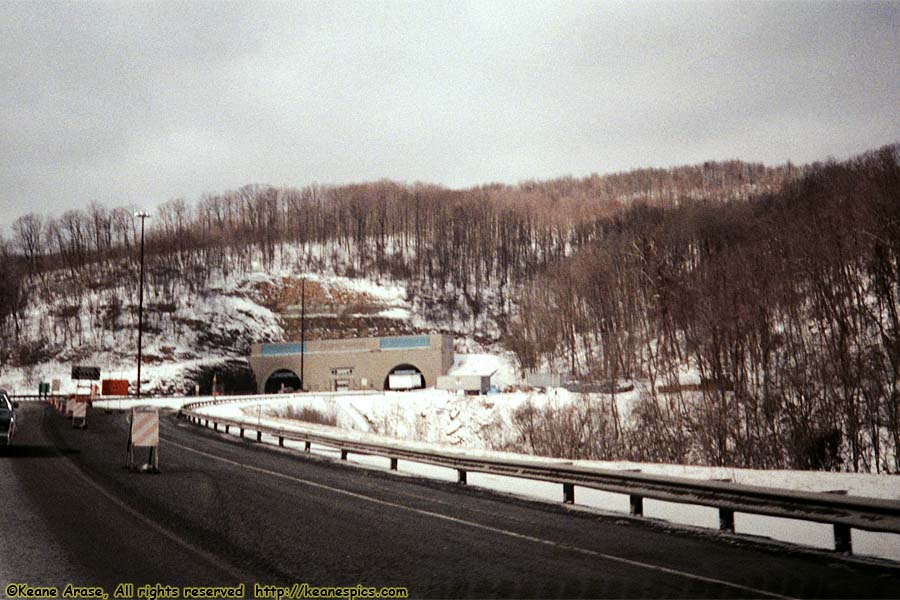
(142, 216)
(302, 332)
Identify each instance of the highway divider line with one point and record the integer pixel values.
(167, 533)
(483, 527)
(843, 513)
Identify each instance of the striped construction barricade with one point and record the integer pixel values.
(79, 412)
(143, 433)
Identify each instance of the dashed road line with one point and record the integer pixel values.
(483, 527)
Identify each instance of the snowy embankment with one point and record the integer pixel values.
(431, 410)
(189, 328)
(191, 332)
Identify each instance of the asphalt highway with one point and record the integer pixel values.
(226, 511)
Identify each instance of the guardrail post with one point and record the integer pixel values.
(215, 426)
(227, 427)
(637, 505)
(842, 539)
(841, 512)
(568, 493)
(726, 520)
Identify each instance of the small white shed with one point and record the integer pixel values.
(470, 384)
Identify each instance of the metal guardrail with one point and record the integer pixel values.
(43, 397)
(37, 397)
(151, 398)
(843, 512)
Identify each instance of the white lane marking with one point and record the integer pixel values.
(174, 537)
(497, 530)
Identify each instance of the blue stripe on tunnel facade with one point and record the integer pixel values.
(405, 342)
(279, 349)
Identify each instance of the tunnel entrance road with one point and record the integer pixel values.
(226, 511)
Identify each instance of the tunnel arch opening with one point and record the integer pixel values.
(404, 377)
(283, 380)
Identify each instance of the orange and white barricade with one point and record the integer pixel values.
(144, 433)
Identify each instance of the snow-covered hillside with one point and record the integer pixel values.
(190, 334)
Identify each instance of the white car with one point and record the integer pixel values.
(7, 418)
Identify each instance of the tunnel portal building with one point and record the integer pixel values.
(402, 362)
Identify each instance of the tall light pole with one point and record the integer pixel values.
(302, 332)
(142, 216)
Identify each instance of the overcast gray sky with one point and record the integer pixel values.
(134, 104)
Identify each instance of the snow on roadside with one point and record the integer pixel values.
(431, 410)
(817, 535)
(128, 404)
(165, 378)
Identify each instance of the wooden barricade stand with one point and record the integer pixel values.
(79, 411)
(143, 433)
